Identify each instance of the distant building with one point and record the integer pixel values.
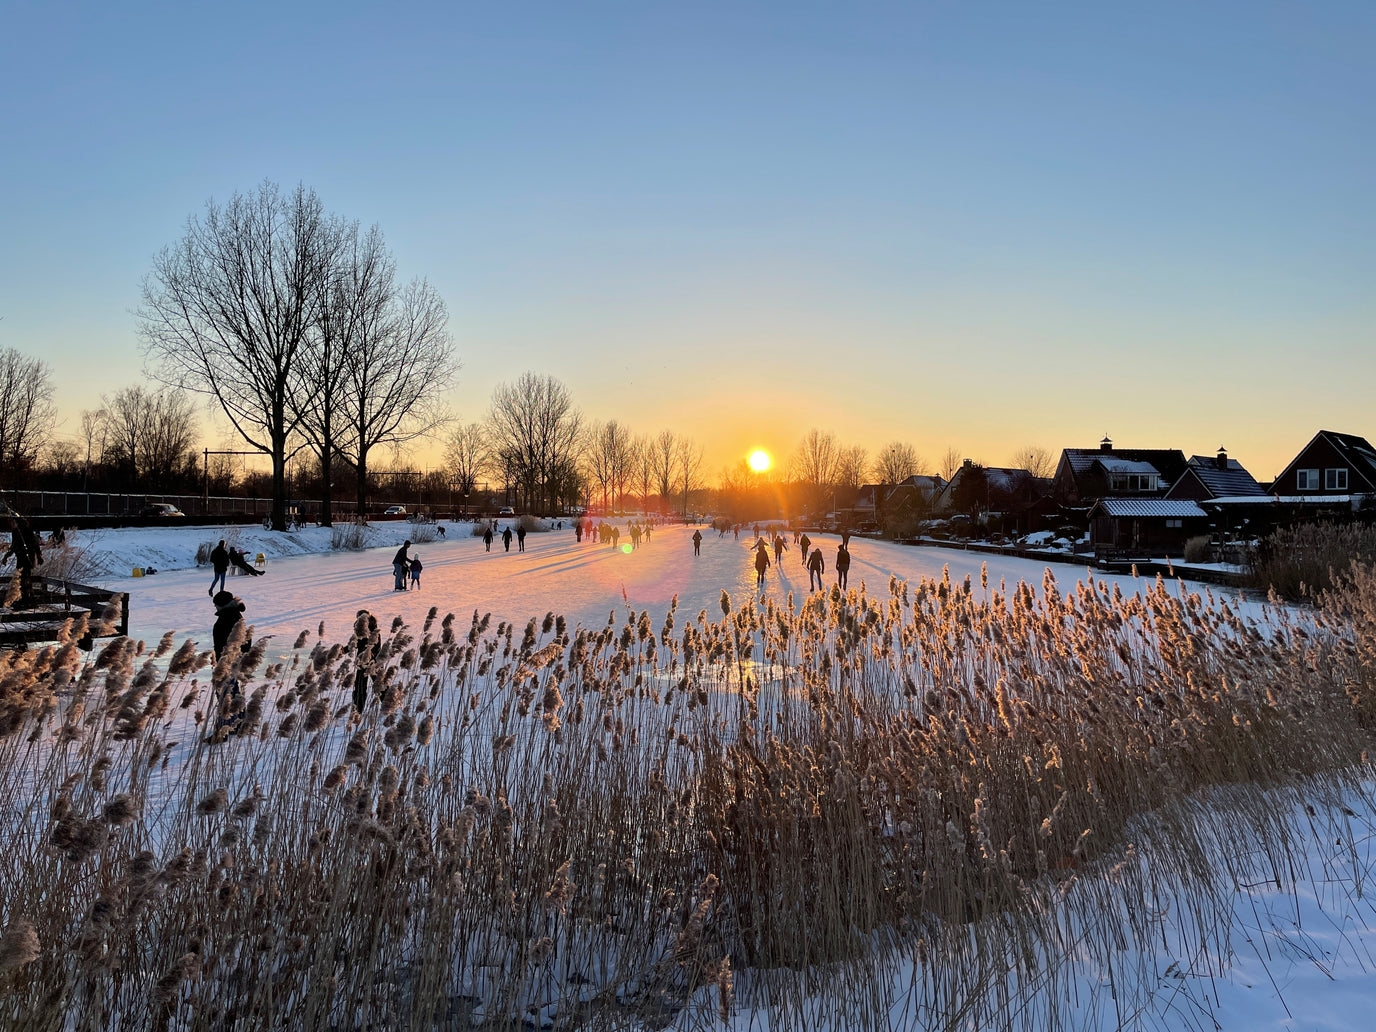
(893, 501)
(1209, 477)
(1084, 475)
(1332, 467)
(1145, 526)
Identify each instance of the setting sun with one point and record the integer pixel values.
(759, 461)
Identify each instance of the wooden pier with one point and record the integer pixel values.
(51, 604)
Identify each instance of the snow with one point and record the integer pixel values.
(305, 583)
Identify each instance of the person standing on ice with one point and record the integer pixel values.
(697, 542)
(219, 562)
(816, 566)
(780, 546)
(367, 644)
(520, 537)
(506, 539)
(842, 566)
(761, 562)
(415, 572)
(401, 565)
(578, 531)
(805, 543)
(487, 539)
(229, 613)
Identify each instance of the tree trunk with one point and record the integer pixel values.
(362, 468)
(326, 486)
(279, 484)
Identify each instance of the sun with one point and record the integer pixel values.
(759, 461)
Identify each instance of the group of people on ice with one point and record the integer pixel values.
(490, 529)
(812, 559)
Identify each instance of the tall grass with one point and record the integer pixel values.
(635, 824)
(1301, 561)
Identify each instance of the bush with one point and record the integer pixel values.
(1197, 549)
(423, 534)
(1300, 561)
(350, 537)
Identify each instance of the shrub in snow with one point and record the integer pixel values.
(351, 536)
(1197, 549)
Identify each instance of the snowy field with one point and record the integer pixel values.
(1295, 954)
(305, 583)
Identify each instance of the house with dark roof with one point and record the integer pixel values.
(1332, 467)
(1207, 477)
(1145, 526)
(1084, 475)
(1017, 497)
(895, 501)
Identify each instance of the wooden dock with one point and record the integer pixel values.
(52, 603)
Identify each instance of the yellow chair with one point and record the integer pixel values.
(261, 560)
(138, 571)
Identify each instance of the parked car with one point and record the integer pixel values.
(164, 510)
(506, 510)
(394, 510)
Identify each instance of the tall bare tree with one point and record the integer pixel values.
(27, 415)
(152, 431)
(394, 371)
(665, 452)
(852, 465)
(815, 463)
(535, 431)
(1035, 459)
(95, 427)
(689, 468)
(951, 460)
(896, 462)
(466, 456)
(228, 312)
(642, 472)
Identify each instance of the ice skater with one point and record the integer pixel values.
(239, 558)
(229, 613)
(761, 563)
(219, 562)
(805, 543)
(506, 539)
(401, 565)
(487, 539)
(367, 645)
(416, 567)
(697, 542)
(816, 566)
(520, 537)
(780, 547)
(842, 566)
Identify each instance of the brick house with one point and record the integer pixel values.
(1085, 475)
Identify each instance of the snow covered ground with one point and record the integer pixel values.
(306, 583)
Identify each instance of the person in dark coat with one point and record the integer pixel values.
(578, 531)
(816, 566)
(219, 562)
(697, 542)
(842, 566)
(401, 566)
(229, 613)
(416, 567)
(805, 543)
(487, 539)
(240, 561)
(506, 539)
(761, 562)
(780, 546)
(520, 538)
(27, 552)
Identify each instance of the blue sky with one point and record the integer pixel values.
(980, 225)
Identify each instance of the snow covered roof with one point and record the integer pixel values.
(1314, 499)
(1171, 509)
(1112, 465)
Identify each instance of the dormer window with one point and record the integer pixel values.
(1133, 483)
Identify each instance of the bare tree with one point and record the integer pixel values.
(153, 432)
(228, 311)
(951, 461)
(394, 370)
(355, 279)
(1035, 459)
(466, 457)
(896, 462)
(62, 458)
(665, 452)
(94, 428)
(27, 415)
(851, 466)
(643, 468)
(815, 464)
(609, 456)
(535, 431)
(689, 468)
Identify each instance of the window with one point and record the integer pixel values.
(1307, 480)
(1335, 479)
(1175, 523)
(1133, 482)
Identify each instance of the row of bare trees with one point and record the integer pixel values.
(539, 445)
(293, 322)
(27, 413)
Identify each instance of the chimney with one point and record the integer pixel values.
(1106, 445)
(1222, 460)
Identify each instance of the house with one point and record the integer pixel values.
(1209, 477)
(1084, 475)
(1016, 495)
(1333, 468)
(1145, 526)
(889, 501)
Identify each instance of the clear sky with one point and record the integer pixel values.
(972, 224)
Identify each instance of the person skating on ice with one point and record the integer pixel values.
(416, 567)
(816, 566)
(842, 566)
(761, 562)
(697, 542)
(520, 537)
(506, 539)
(219, 562)
(487, 539)
(401, 566)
